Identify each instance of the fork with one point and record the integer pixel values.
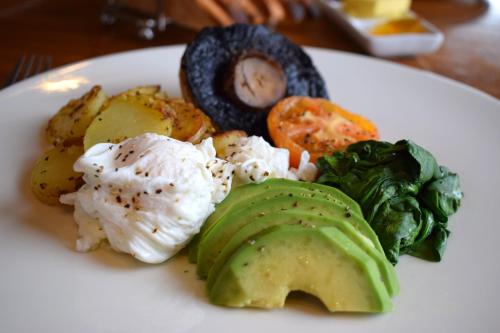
(28, 65)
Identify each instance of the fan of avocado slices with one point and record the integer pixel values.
(266, 240)
(405, 195)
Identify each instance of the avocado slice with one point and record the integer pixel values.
(244, 193)
(320, 261)
(212, 243)
(247, 233)
(269, 188)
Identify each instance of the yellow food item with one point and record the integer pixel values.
(222, 141)
(150, 90)
(129, 115)
(53, 174)
(190, 123)
(69, 124)
(376, 8)
(401, 26)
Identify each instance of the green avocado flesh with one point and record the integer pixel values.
(268, 239)
(244, 193)
(212, 242)
(247, 233)
(321, 261)
(251, 193)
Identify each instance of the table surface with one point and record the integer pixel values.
(70, 31)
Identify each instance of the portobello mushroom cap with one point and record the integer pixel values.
(236, 74)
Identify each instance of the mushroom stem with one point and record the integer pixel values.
(256, 82)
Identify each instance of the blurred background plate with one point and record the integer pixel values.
(394, 44)
(45, 286)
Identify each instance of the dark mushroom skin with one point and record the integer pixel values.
(210, 58)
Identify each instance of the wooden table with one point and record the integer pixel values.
(70, 31)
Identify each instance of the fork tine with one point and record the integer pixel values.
(43, 64)
(16, 71)
(29, 66)
(48, 63)
(39, 65)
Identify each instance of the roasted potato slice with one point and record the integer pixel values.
(69, 124)
(53, 174)
(153, 90)
(225, 139)
(150, 90)
(190, 123)
(126, 116)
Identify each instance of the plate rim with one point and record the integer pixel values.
(4, 92)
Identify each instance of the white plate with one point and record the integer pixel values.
(45, 286)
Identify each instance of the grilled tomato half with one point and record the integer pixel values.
(316, 125)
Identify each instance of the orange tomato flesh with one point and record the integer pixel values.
(316, 125)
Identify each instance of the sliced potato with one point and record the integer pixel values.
(153, 90)
(149, 90)
(224, 140)
(53, 174)
(69, 124)
(190, 124)
(126, 116)
(143, 90)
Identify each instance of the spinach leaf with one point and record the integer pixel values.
(405, 196)
(442, 195)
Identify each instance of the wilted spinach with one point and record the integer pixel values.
(404, 194)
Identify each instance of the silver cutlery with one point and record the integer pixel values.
(27, 66)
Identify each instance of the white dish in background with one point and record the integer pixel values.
(404, 44)
(45, 286)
